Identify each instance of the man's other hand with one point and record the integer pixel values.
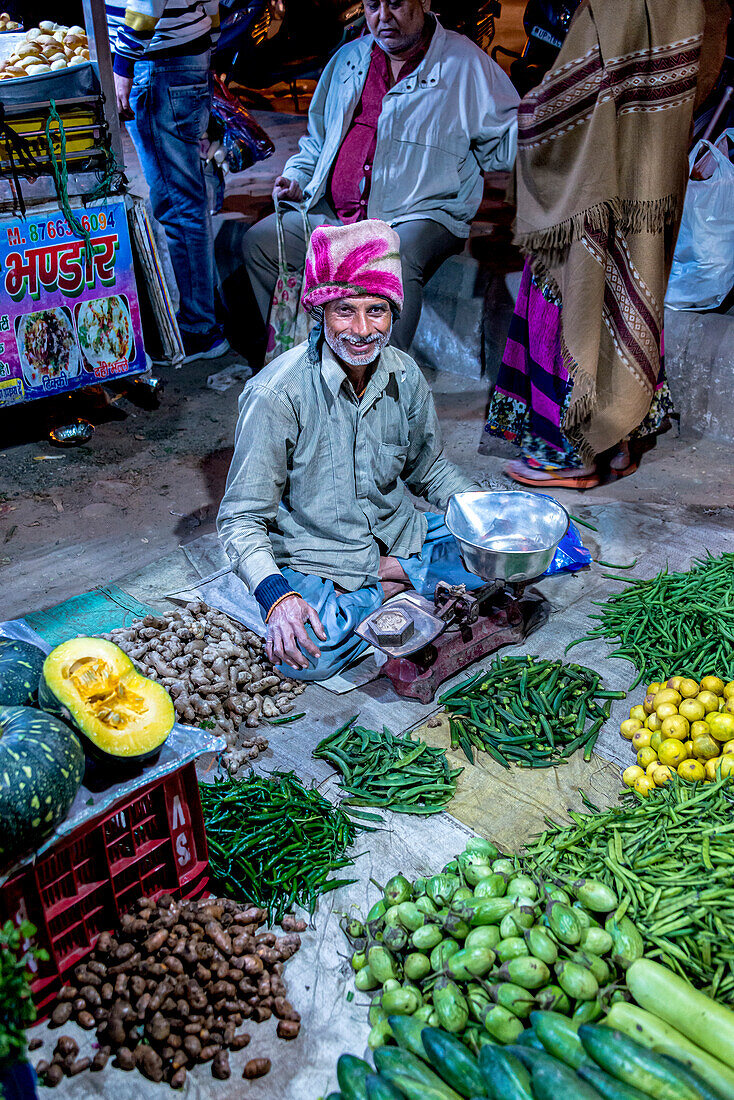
(285, 189)
(287, 640)
(123, 87)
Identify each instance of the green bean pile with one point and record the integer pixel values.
(670, 857)
(675, 623)
(527, 711)
(382, 769)
(274, 842)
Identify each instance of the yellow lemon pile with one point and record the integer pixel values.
(681, 726)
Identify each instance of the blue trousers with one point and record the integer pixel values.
(341, 612)
(170, 99)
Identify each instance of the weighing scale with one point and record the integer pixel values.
(427, 641)
(506, 539)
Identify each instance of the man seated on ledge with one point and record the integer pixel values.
(316, 516)
(402, 123)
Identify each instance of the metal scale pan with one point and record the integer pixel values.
(508, 536)
(507, 539)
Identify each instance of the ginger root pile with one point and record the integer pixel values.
(216, 672)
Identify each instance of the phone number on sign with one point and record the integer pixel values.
(51, 230)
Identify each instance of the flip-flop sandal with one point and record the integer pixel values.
(590, 481)
(617, 475)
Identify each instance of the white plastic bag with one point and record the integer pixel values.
(703, 264)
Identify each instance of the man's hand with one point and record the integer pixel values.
(123, 87)
(286, 633)
(285, 189)
(393, 577)
(214, 151)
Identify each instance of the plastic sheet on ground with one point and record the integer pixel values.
(521, 799)
(97, 612)
(507, 806)
(235, 375)
(219, 586)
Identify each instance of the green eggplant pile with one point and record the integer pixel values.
(478, 947)
(557, 1061)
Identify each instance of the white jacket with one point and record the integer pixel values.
(440, 127)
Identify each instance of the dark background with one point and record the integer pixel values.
(31, 12)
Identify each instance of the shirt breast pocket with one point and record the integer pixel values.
(390, 462)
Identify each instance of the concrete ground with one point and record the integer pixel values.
(149, 480)
(117, 509)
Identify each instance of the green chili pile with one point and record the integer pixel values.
(274, 842)
(675, 623)
(382, 769)
(670, 857)
(527, 711)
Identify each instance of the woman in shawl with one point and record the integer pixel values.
(601, 176)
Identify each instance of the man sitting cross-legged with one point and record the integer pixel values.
(316, 516)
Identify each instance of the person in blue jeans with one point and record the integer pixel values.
(161, 66)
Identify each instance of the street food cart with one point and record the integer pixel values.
(71, 313)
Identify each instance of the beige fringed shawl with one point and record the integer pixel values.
(601, 178)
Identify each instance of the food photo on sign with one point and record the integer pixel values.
(47, 347)
(105, 332)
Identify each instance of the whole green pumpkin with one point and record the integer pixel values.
(20, 667)
(41, 769)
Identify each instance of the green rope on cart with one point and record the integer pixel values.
(61, 177)
(110, 181)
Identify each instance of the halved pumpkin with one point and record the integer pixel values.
(94, 685)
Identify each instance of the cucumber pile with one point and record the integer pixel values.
(556, 1061)
(477, 948)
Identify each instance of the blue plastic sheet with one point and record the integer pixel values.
(571, 554)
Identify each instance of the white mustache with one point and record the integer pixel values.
(359, 341)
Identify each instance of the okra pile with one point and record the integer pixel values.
(681, 621)
(527, 711)
(274, 842)
(382, 769)
(670, 857)
(476, 948)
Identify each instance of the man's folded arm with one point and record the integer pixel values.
(255, 485)
(493, 106)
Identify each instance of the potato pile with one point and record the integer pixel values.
(215, 671)
(46, 49)
(170, 990)
(7, 23)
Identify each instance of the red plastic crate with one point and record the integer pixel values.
(149, 843)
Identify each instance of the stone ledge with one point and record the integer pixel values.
(466, 314)
(699, 363)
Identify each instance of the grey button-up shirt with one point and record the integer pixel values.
(318, 478)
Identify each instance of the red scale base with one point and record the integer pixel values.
(504, 619)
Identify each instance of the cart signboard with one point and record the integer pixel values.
(69, 316)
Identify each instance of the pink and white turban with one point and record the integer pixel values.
(345, 261)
